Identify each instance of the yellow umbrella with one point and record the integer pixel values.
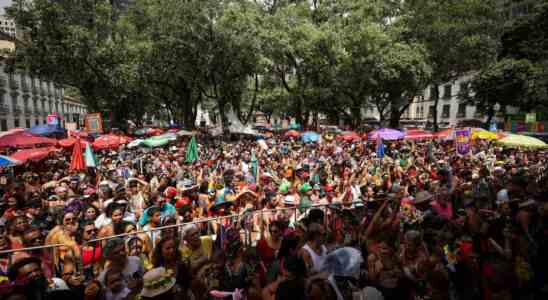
(517, 140)
(484, 135)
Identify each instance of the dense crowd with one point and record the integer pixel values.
(281, 220)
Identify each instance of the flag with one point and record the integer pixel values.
(254, 167)
(91, 160)
(380, 147)
(192, 151)
(77, 162)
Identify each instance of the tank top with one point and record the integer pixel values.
(317, 260)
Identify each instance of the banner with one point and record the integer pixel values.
(462, 141)
(71, 126)
(53, 119)
(94, 123)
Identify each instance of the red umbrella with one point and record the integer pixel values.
(154, 131)
(35, 154)
(125, 139)
(69, 142)
(349, 136)
(24, 139)
(109, 141)
(418, 134)
(293, 134)
(77, 162)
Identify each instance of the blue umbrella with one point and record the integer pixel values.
(6, 161)
(47, 129)
(310, 137)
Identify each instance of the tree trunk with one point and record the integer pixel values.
(224, 120)
(299, 111)
(395, 116)
(435, 112)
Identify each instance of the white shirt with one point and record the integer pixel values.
(134, 265)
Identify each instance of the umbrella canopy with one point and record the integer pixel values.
(349, 136)
(183, 132)
(12, 131)
(293, 134)
(295, 126)
(47, 130)
(485, 135)
(168, 135)
(140, 131)
(135, 143)
(35, 154)
(77, 162)
(24, 139)
(517, 140)
(69, 142)
(387, 134)
(418, 134)
(310, 137)
(444, 134)
(109, 141)
(6, 161)
(154, 131)
(155, 142)
(90, 158)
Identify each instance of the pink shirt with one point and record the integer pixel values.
(446, 212)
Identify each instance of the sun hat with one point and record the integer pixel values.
(289, 200)
(156, 282)
(423, 196)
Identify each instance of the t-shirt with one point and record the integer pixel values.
(134, 265)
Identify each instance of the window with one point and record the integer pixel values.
(422, 112)
(447, 91)
(433, 93)
(36, 122)
(417, 112)
(4, 125)
(431, 111)
(16, 123)
(464, 89)
(446, 111)
(462, 111)
(27, 123)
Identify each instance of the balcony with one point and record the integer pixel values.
(17, 109)
(43, 91)
(25, 87)
(34, 90)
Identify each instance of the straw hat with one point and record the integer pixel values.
(156, 282)
(423, 196)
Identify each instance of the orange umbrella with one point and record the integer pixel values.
(77, 162)
(108, 141)
(293, 134)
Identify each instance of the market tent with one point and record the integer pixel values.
(387, 134)
(292, 134)
(6, 161)
(48, 130)
(310, 137)
(517, 140)
(349, 136)
(35, 154)
(24, 139)
(418, 134)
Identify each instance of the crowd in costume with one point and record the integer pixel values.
(329, 220)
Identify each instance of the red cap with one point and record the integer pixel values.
(170, 192)
(182, 201)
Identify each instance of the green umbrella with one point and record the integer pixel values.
(192, 151)
(156, 142)
(517, 140)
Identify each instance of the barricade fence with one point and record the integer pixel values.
(210, 221)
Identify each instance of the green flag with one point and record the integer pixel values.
(192, 151)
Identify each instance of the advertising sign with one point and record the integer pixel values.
(94, 123)
(462, 141)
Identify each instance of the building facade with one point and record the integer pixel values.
(7, 26)
(451, 110)
(26, 101)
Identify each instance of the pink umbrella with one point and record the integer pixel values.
(292, 134)
(443, 134)
(418, 134)
(24, 139)
(349, 136)
(387, 134)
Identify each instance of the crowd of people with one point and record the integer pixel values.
(327, 220)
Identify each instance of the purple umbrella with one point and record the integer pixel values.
(386, 134)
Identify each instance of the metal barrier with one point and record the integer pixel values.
(161, 228)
